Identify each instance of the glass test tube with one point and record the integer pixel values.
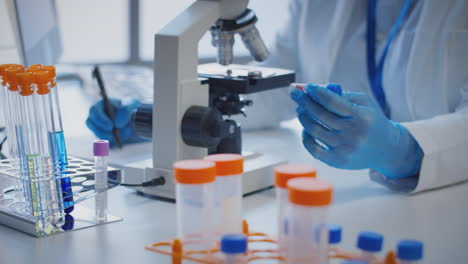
(195, 203)
(283, 174)
(369, 243)
(48, 145)
(14, 130)
(60, 150)
(234, 248)
(228, 193)
(307, 217)
(101, 151)
(3, 108)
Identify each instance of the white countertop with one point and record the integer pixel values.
(439, 218)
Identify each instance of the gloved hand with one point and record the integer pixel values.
(102, 126)
(354, 133)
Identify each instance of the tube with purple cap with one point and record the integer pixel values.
(101, 151)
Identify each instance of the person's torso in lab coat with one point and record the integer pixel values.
(420, 77)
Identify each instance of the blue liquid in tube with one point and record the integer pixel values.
(61, 152)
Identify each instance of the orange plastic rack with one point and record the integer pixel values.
(175, 250)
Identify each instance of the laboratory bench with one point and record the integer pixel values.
(439, 218)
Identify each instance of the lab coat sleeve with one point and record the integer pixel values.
(444, 141)
(438, 77)
(272, 107)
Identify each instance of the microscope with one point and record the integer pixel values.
(193, 103)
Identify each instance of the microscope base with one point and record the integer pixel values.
(258, 175)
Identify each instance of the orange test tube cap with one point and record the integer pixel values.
(12, 79)
(227, 164)
(25, 79)
(286, 172)
(310, 192)
(51, 70)
(41, 78)
(194, 171)
(52, 73)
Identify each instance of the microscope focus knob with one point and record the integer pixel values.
(201, 127)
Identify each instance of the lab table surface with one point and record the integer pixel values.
(439, 218)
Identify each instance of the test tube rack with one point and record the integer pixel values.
(14, 210)
(261, 247)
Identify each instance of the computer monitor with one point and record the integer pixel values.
(36, 35)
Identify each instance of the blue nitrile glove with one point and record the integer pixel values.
(355, 133)
(102, 126)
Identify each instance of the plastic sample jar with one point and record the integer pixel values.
(410, 252)
(283, 174)
(369, 243)
(228, 193)
(234, 248)
(195, 203)
(308, 202)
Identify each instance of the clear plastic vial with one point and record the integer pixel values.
(307, 217)
(369, 243)
(234, 248)
(410, 252)
(228, 193)
(101, 151)
(195, 203)
(283, 174)
(334, 237)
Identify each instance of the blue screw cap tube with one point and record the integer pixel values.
(334, 234)
(370, 241)
(410, 251)
(234, 247)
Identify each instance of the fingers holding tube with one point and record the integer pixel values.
(330, 100)
(330, 138)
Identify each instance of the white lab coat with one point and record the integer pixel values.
(425, 75)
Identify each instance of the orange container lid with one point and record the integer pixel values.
(227, 164)
(41, 79)
(310, 192)
(194, 171)
(12, 79)
(284, 173)
(25, 79)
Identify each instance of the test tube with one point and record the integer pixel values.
(12, 103)
(101, 151)
(49, 170)
(307, 217)
(27, 171)
(228, 193)
(234, 248)
(60, 150)
(283, 174)
(14, 130)
(336, 88)
(410, 252)
(369, 243)
(195, 203)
